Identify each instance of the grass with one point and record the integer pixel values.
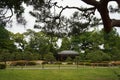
(62, 74)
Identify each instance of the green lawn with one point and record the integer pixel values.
(62, 74)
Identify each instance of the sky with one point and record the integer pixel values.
(31, 20)
(16, 27)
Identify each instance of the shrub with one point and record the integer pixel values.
(2, 66)
(100, 64)
(84, 63)
(21, 63)
(69, 63)
(44, 62)
(18, 63)
(68, 59)
(31, 63)
(87, 63)
(57, 63)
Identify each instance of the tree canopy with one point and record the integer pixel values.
(94, 45)
(8, 8)
(5, 41)
(55, 22)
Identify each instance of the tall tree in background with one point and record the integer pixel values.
(66, 44)
(20, 41)
(38, 43)
(112, 45)
(5, 41)
(55, 24)
(4, 55)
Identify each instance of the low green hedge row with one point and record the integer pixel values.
(2, 66)
(31, 63)
(99, 64)
(23, 63)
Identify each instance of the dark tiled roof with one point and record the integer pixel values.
(69, 52)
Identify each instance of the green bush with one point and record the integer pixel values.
(57, 63)
(68, 59)
(44, 62)
(100, 64)
(18, 63)
(69, 63)
(31, 63)
(85, 63)
(23, 63)
(2, 66)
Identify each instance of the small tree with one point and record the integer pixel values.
(16, 56)
(50, 57)
(4, 55)
(98, 56)
(28, 56)
(69, 59)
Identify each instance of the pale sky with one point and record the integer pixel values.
(31, 20)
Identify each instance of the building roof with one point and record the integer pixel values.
(68, 52)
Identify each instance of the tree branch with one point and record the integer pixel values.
(91, 2)
(6, 18)
(80, 9)
(115, 23)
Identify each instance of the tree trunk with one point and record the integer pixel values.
(102, 8)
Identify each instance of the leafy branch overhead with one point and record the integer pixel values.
(9, 7)
(57, 19)
(51, 21)
(101, 6)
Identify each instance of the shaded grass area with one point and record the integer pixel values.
(62, 74)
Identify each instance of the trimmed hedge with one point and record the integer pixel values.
(2, 66)
(57, 63)
(31, 63)
(84, 63)
(18, 63)
(23, 63)
(104, 64)
(100, 64)
(69, 63)
(44, 62)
